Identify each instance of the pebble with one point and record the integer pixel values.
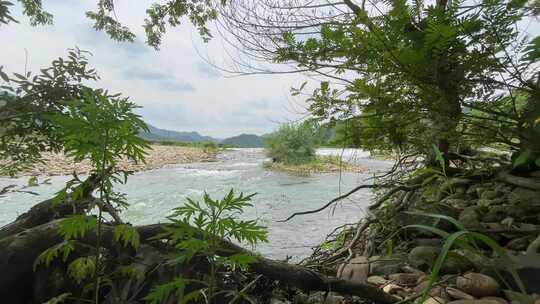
(407, 279)
(478, 285)
(377, 280)
(434, 300)
(458, 294)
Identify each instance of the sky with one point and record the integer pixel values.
(176, 86)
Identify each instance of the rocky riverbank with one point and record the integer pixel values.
(157, 157)
(459, 240)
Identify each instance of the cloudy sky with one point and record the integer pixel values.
(177, 88)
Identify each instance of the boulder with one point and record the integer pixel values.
(386, 265)
(356, 270)
(478, 285)
(423, 258)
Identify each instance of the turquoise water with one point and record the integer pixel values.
(152, 195)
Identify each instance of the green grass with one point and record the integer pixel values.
(319, 164)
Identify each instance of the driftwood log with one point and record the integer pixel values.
(20, 250)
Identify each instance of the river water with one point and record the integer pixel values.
(153, 194)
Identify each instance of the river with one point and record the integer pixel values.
(153, 194)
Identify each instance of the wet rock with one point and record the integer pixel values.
(386, 265)
(377, 280)
(458, 294)
(406, 279)
(356, 270)
(478, 285)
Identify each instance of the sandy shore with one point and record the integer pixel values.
(158, 156)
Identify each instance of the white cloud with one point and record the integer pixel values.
(177, 89)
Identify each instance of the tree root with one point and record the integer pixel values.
(19, 252)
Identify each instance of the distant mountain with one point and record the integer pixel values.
(162, 134)
(244, 141)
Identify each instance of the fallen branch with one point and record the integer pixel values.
(335, 200)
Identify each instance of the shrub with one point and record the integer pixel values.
(292, 143)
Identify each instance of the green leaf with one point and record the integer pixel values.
(127, 235)
(82, 268)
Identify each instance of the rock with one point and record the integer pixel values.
(478, 285)
(496, 213)
(458, 294)
(520, 298)
(490, 194)
(434, 300)
(423, 258)
(470, 217)
(528, 269)
(377, 280)
(474, 302)
(356, 270)
(484, 202)
(499, 300)
(457, 203)
(278, 301)
(386, 265)
(392, 288)
(535, 174)
(320, 297)
(519, 244)
(434, 242)
(436, 291)
(522, 195)
(406, 279)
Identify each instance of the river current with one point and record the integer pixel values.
(153, 194)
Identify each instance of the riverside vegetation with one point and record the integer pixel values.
(450, 87)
